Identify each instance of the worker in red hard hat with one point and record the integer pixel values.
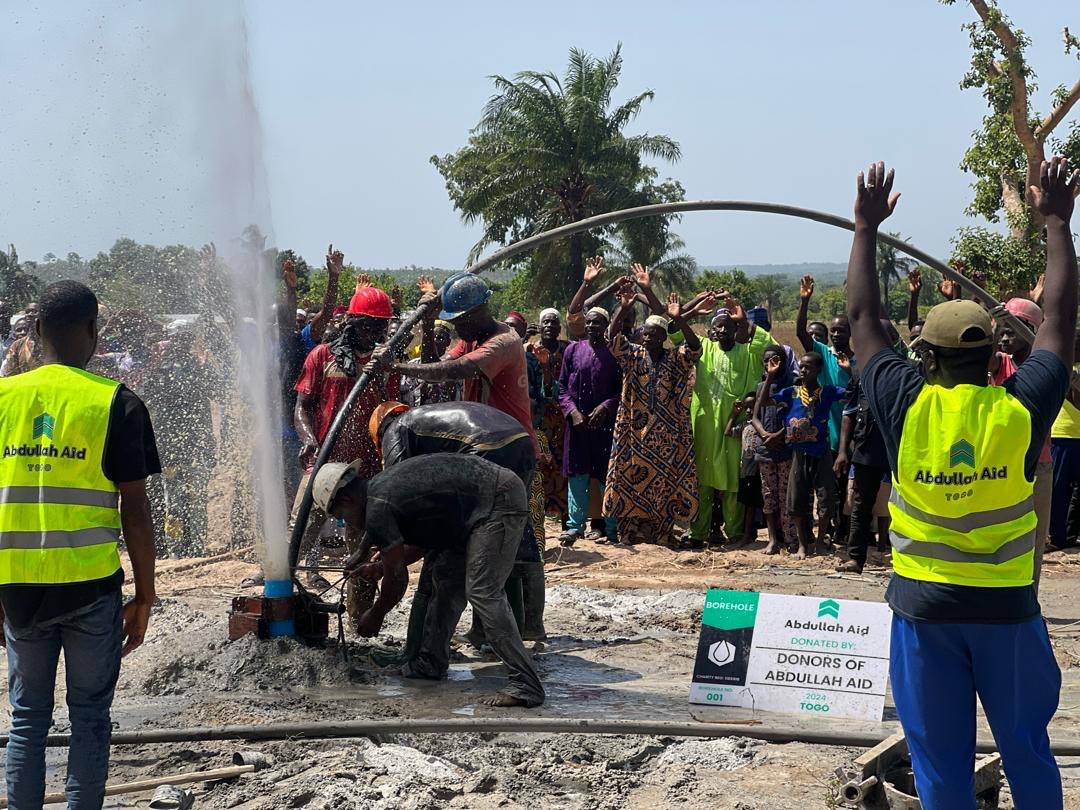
(329, 374)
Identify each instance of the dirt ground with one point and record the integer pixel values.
(623, 624)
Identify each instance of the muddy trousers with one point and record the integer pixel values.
(937, 670)
(734, 513)
(477, 576)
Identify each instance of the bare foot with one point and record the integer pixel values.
(800, 554)
(501, 700)
(772, 548)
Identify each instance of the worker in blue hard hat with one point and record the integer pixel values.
(490, 359)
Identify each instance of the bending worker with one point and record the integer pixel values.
(472, 512)
(456, 427)
(966, 622)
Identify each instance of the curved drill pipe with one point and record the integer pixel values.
(524, 245)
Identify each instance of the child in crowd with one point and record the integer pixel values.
(739, 427)
(774, 456)
(805, 410)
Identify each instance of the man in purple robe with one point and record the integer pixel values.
(590, 384)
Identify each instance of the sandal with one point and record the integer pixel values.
(568, 538)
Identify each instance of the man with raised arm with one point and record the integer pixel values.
(965, 618)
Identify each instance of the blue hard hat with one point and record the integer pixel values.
(461, 293)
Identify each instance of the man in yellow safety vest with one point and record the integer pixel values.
(966, 621)
(76, 452)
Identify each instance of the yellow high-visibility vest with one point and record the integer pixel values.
(59, 514)
(962, 510)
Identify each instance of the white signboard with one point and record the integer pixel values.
(794, 654)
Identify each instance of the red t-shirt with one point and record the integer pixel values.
(330, 386)
(503, 383)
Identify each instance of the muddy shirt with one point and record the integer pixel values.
(433, 502)
(459, 427)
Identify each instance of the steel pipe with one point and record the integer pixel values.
(512, 725)
(601, 220)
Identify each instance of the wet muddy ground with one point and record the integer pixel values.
(623, 625)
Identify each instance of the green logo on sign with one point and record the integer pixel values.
(829, 607)
(962, 453)
(43, 426)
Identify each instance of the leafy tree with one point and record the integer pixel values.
(772, 292)
(547, 152)
(18, 284)
(735, 281)
(1011, 144)
(892, 266)
(1006, 263)
(831, 301)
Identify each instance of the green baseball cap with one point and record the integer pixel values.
(957, 325)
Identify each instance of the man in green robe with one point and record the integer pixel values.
(730, 368)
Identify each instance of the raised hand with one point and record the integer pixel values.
(1056, 193)
(705, 304)
(397, 296)
(806, 286)
(593, 268)
(641, 276)
(288, 273)
(674, 308)
(207, 255)
(1037, 291)
(842, 360)
(426, 284)
(772, 366)
(362, 281)
(874, 200)
(335, 261)
(627, 294)
(914, 281)
(948, 289)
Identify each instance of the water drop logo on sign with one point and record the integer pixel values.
(795, 654)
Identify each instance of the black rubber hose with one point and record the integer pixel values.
(987, 300)
(513, 725)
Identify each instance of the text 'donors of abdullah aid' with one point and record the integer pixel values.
(813, 656)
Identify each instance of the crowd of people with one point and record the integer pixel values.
(456, 451)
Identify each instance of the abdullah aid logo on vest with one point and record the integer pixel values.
(961, 454)
(43, 427)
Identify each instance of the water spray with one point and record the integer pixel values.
(996, 308)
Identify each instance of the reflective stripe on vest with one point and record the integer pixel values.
(962, 509)
(59, 516)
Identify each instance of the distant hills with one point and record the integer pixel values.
(819, 270)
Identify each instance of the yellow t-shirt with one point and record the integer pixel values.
(1067, 424)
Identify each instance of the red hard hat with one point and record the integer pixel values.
(371, 301)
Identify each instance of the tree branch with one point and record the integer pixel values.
(1011, 46)
(1058, 113)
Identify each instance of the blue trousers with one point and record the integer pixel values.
(91, 640)
(577, 506)
(1066, 456)
(938, 669)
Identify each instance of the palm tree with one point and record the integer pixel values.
(548, 152)
(891, 267)
(672, 269)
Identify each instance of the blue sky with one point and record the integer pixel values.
(134, 118)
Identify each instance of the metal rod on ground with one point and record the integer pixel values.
(524, 245)
(158, 781)
(513, 725)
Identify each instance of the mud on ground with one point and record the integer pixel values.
(623, 625)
